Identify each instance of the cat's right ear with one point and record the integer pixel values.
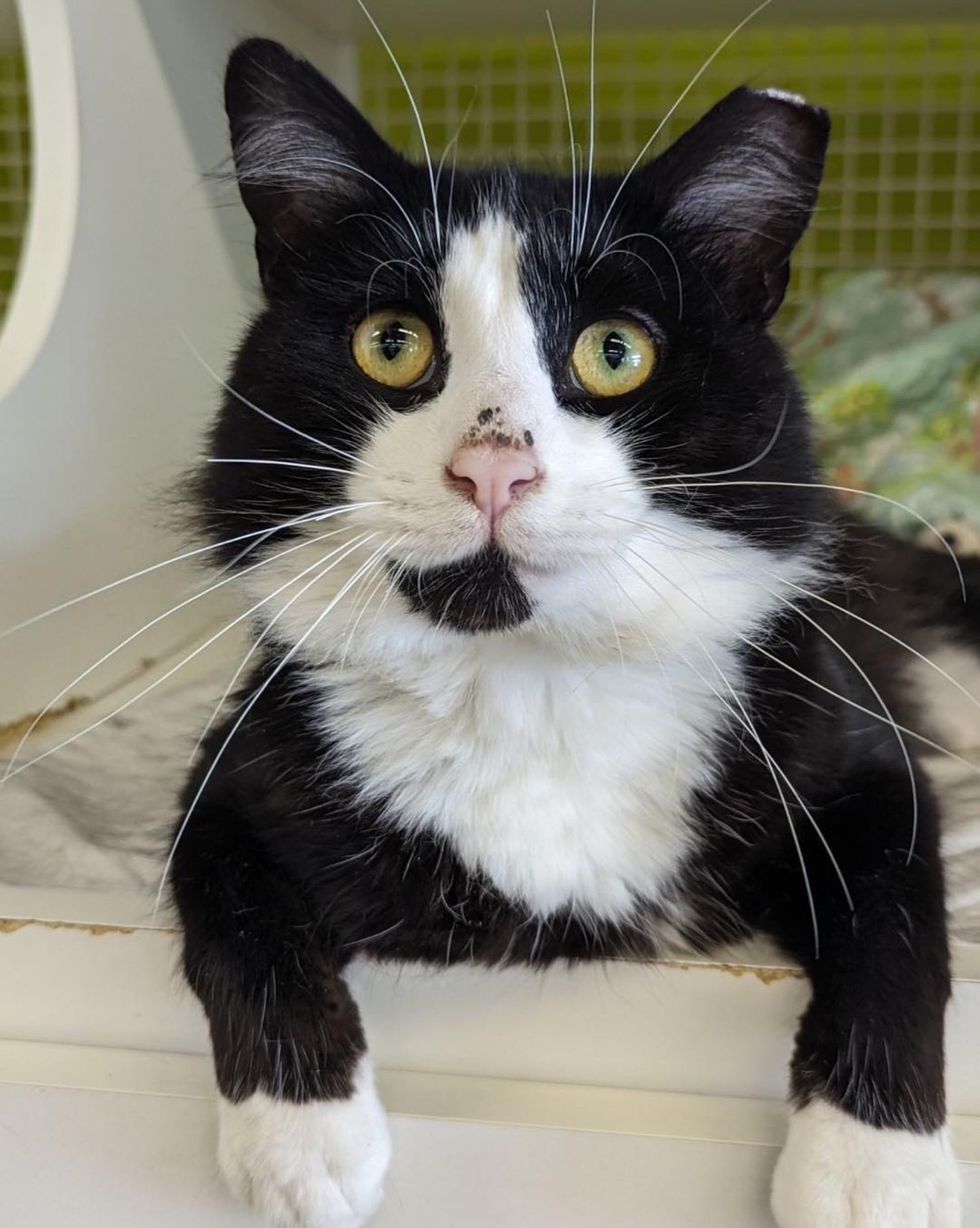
(302, 151)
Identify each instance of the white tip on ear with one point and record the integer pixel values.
(741, 184)
(785, 96)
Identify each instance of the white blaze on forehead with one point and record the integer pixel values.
(482, 272)
(490, 334)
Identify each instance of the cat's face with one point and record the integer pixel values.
(547, 405)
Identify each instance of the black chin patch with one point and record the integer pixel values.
(476, 594)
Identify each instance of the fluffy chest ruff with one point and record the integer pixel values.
(566, 784)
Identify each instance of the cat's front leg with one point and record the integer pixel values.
(303, 1137)
(868, 1145)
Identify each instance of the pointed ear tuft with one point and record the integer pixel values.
(740, 186)
(301, 149)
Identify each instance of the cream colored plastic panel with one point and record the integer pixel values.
(105, 1139)
(699, 1027)
(104, 404)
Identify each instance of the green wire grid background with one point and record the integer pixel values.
(14, 168)
(902, 187)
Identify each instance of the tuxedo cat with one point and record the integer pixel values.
(552, 652)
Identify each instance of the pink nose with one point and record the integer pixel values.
(493, 478)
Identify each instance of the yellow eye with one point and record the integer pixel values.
(394, 347)
(612, 357)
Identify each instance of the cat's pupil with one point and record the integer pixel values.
(614, 350)
(392, 340)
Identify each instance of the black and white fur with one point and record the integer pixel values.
(626, 721)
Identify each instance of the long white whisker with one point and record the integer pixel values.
(256, 696)
(308, 517)
(305, 166)
(415, 111)
(454, 146)
(760, 456)
(913, 786)
(881, 631)
(365, 604)
(454, 140)
(609, 250)
(250, 460)
(377, 217)
(452, 188)
(669, 484)
(626, 251)
(394, 580)
(887, 717)
(52, 703)
(776, 772)
(327, 514)
(851, 703)
(770, 760)
(286, 426)
(163, 678)
(260, 639)
(774, 767)
(667, 118)
(571, 129)
(718, 556)
(653, 648)
(588, 186)
(385, 264)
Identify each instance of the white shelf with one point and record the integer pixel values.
(614, 1093)
(111, 983)
(130, 1138)
(110, 1160)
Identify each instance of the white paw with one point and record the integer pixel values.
(315, 1165)
(837, 1172)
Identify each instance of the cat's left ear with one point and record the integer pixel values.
(738, 190)
(303, 153)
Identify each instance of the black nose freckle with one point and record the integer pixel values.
(484, 416)
(528, 438)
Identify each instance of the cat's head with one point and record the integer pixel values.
(551, 404)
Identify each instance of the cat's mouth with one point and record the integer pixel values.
(478, 594)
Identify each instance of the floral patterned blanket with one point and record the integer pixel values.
(891, 362)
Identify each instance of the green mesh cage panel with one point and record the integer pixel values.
(15, 163)
(902, 188)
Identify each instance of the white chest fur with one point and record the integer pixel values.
(566, 784)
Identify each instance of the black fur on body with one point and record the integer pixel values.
(285, 873)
